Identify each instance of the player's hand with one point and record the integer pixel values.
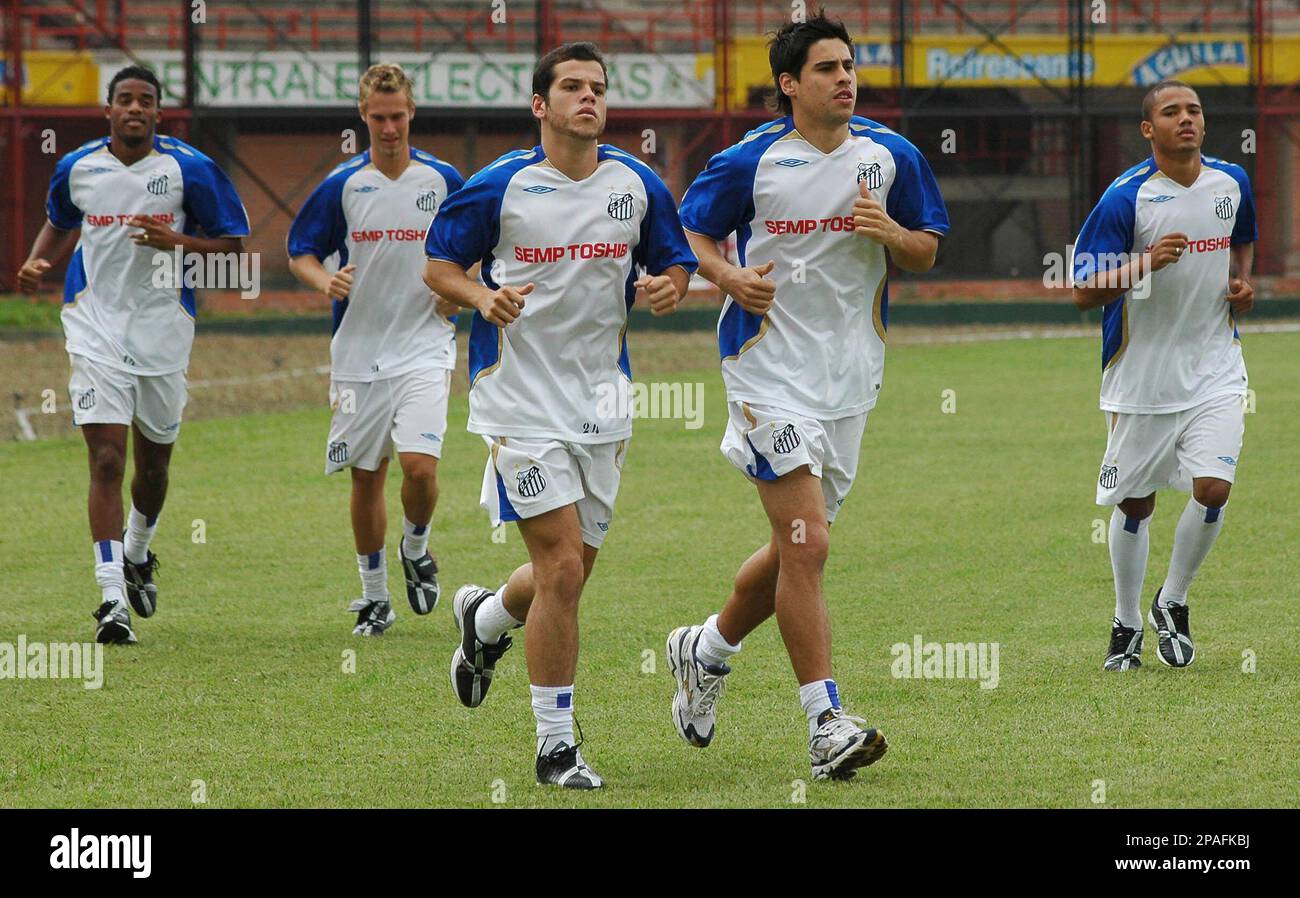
(1241, 296)
(29, 276)
(155, 233)
(660, 292)
(1167, 250)
(751, 289)
(340, 284)
(871, 220)
(444, 307)
(502, 306)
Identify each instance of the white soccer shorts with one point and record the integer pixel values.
(407, 413)
(1146, 453)
(526, 478)
(102, 394)
(766, 443)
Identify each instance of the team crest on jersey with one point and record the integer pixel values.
(786, 439)
(87, 400)
(872, 174)
(338, 452)
(531, 482)
(1223, 207)
(1109, 477)
(426, 200)
(620, 206)
(158, 185)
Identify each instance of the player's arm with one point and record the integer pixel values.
(52, 245)
(309, 270)
(453, 283)
(747, 286)
(1241, 292)
(159, 235)
(1104, 287)
(912, 251)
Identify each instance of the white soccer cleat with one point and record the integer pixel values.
(698, 687)
(840, 746)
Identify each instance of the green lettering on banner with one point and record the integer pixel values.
(453, 84)
(172, 77)
(639, 75)
(235, 68)
(294, 82)
(495, 75)
(206, 78)
(267, 80)
(346, 75)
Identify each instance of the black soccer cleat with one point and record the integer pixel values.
(1125, 651)
(373, 618)
(114, 624)
(473, 663)
(141, 591)
(421, 583)
(562, 765)
(1175, 647)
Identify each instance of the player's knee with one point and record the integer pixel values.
(808, 545)
(1141, 508)
(561, 575)
(422, 473)
(153, 475)
(1211, 493)
(107, 464)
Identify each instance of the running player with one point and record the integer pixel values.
(820, 200)
(126, 202)
(1182, 225)
(560, 230)
(393, 351)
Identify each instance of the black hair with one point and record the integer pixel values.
(1149, 101)
(788, 49)
(544, 73)
(135, 72)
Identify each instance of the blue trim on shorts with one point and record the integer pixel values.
(761, 469)
(506, 510)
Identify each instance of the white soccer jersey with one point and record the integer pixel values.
(113, 311)
(557, 370)
(820, 349)
(1178, 346)
(388, 324)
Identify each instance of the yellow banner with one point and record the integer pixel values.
(57, 78)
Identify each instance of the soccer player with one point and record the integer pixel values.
(1181, 226)
(126, 202)
(820, 200)
(559, 230)
(393, 350)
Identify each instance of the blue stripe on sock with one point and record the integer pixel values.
(150, 522)
(564, 700)
(1212, 515)
(833, 693)
(1131, 524)
(418, 529)
(373, 560)
(105, 550)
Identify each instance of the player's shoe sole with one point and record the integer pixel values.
(114, 625)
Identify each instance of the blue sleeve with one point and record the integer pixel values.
(914, 200)
(1108, 230)
(210, 201)
(59, 208)
(721, 199)
(663, 243)
(1244, 230)
(320, 229)
(468, 224)
(451, 176)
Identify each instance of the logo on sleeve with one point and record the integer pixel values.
(1109, 477)
(1223, 207)
(1228, 460)
(157, 185)
(791, 163)
(871, 174)
(786, 439)
(1163, 198)
(426, 200)
(368, 188)
(531, 482)
(338, 452)
(620, 206)
(539, 189)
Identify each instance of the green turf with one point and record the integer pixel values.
(967, 527)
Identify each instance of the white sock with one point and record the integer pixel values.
(415, 539)
(108, 570)
(492, 620)
(1197, 529)
(374, 576)
(553, 708)
(712, 648)
(817, 698)
(139, 533)
(1129, 541)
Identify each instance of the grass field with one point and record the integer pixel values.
(968, 527)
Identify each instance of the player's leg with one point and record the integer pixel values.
(148, 493)
(419, 426)
(106, 452)
(369, 525)
(1208, 448)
